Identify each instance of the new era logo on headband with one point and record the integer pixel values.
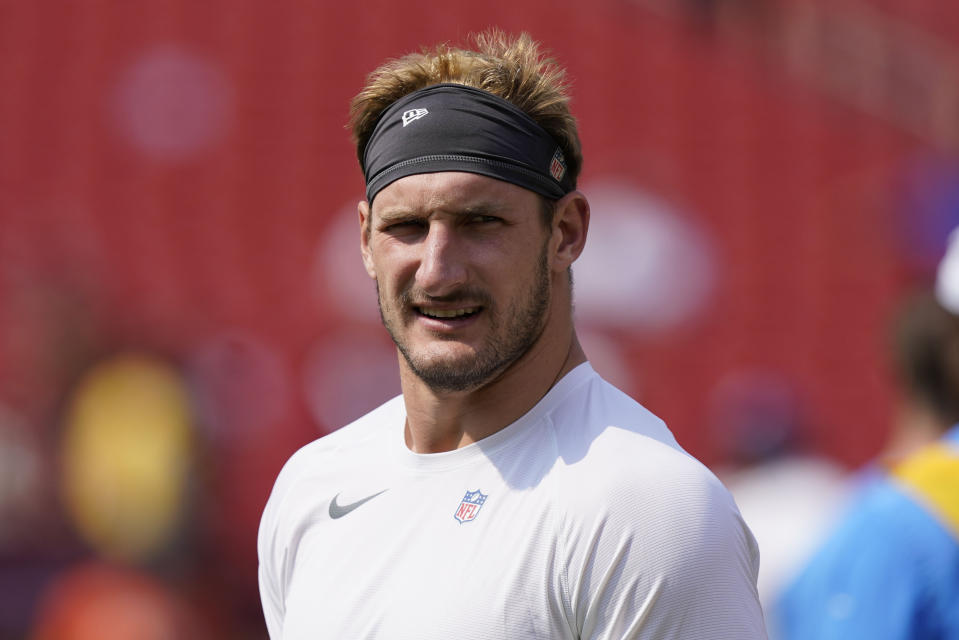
(413, 114)
(557, 166)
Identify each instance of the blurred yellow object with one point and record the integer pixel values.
(127, 453)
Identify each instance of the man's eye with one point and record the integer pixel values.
(484, 219)
(404, 225)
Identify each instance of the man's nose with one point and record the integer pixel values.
(442, 267)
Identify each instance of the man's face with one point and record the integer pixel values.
(462, 274)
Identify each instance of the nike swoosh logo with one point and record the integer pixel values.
(340, 510)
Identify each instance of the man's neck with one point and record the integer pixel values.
(443, 421)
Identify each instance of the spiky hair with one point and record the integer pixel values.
(513, 68)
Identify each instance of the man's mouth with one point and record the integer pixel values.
(447, 314)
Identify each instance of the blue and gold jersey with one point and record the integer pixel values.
(891, 567)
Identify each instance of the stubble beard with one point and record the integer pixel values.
(512, 333)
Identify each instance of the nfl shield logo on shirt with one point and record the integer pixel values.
(470, 506)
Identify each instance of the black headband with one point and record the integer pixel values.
(452, 127)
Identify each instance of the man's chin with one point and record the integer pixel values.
(454, 374)
(446, 382)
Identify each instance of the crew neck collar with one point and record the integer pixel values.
(488, 445)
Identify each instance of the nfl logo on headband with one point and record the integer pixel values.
(557, 167)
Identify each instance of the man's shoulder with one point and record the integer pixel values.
(598, 422)
(613, 450)
(621, 482)
(340, 448)
(624, 471)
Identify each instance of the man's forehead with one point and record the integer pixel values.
(451, 190)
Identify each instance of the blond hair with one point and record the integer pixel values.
(511, 68)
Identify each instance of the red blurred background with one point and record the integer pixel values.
(177, 182)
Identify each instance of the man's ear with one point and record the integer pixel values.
(363, 209)
(570, 225)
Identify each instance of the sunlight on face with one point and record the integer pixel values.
(463, 280)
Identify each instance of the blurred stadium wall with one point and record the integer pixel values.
(768, 178)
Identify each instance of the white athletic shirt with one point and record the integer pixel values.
(583, 519)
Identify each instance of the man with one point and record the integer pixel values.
(890, 569)
(509, 492)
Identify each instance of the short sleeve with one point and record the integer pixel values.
(271, 601)
(664, 555)
(275, 540)
(268, 573)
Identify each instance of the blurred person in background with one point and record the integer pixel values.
(789, 495)
(128, 460)
(891, 567)
(509, 491)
